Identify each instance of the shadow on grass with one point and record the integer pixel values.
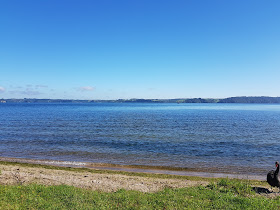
(262, 190)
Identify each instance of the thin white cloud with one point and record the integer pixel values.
(86, 88)
(26, 92)
(41, 86)
(2, 89)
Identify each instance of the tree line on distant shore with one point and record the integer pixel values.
(242, 99)
(260, 100)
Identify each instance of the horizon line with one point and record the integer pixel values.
(136, 98)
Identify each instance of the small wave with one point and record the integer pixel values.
(72, 163)
(44, 162)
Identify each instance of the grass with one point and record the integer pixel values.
(219, 194)
(224, 194)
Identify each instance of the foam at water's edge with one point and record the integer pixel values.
(43, 162)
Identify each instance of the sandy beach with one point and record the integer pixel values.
(209, 173)
(16, 174)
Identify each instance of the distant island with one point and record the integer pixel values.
(241, 99)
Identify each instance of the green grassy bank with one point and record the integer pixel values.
(219, 194)
(224, 194)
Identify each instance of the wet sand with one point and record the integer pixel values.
(140, 169)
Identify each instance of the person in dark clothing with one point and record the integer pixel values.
(272, 177)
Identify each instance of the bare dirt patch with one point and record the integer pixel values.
(95, 181)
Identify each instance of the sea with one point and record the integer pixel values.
(226, 138)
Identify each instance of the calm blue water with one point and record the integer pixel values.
(229, 137)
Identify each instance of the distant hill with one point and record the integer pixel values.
(251, 100)
(242, 99)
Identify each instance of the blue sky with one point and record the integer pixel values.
(108, 49)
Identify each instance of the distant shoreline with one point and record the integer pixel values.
(241, 99)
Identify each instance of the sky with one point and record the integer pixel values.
(122, 49)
